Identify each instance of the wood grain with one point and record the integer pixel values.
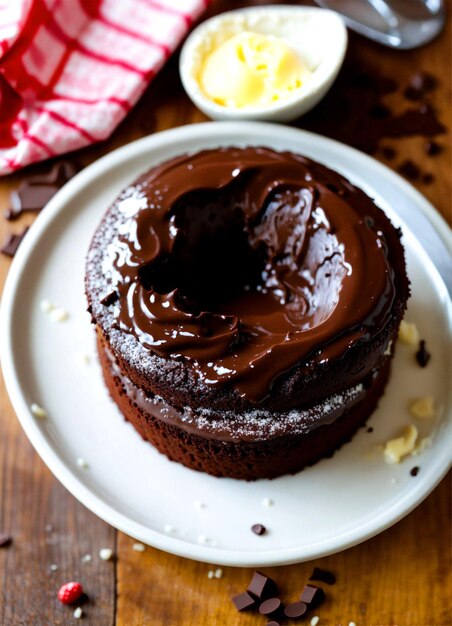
(400, 578)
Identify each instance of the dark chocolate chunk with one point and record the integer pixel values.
(295, 610)
(414, 471)
(244, 601)
(29, 198)
(427, 178)
(34, 193)
(262, 586)
(432, 148)
(423, 356)
(388, 152)
(323, 575)
(312, 595)
(258, 529)
(271, 607)
(13, 242)
(5, 540)
(109, 298)
(409, 169)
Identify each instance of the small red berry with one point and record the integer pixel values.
(70, 592)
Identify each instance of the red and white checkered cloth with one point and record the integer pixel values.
(70, 70)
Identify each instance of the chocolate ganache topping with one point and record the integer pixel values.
(247, 262)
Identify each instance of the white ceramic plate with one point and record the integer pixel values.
(326, 508)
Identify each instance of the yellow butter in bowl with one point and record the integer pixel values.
(251, 70)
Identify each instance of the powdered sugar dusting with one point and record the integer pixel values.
(265, 424)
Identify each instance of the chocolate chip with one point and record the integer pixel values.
(323, 575)
(427, 178)
(295, 610)
(409, 169)
(388, 152)
(34, 193)
(423, 356)
(258, 529)
(271, 607)
(432, 148)
(12, 242)
(312, 595)
(262, 586)
(244, 601)
(422, 81)
(414, 471)
(370, 429)
(5, 540)
(109, 298)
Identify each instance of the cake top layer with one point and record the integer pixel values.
(244, 263)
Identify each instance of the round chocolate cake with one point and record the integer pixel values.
(246, 303)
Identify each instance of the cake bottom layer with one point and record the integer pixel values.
(249, 460)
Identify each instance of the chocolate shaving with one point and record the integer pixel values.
(12, 242)
(109, 298)
(354, 111)
(323, 575)
(423, 356)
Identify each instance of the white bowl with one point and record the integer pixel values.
(318, 36)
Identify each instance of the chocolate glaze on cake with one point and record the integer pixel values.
(248, 283)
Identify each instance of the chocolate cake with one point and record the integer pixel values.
(246, 303)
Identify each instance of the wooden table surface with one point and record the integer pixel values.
(402, 577)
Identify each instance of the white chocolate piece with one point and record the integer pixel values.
(38, 411)
(59, 315)
(408, 333)
(46, 306)
(105, 554)
(396, 449)
(423, 408)
(78, 612)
